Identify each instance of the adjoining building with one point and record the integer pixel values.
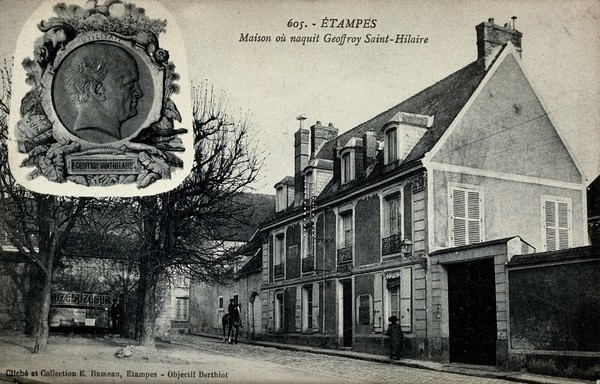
(209, 302)
(416, 213)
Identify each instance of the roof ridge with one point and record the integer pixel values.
(395, 106)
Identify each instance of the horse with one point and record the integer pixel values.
(230, 323)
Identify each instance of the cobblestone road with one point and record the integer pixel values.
(339, 369)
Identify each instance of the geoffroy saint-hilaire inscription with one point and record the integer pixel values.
(100, 113)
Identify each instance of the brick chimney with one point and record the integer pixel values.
(301, 157)
(491, 37)
(320, 134)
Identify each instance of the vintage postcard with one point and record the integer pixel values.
(299, 191)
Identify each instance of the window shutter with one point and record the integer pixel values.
(406, 299)
(271, 310)
(315, 309)
(563, 225)
(298, 309)
(265, 263)
(265, 311)
(271, 257)
(377, 303)
(550, 224)
(459, 217)
(474, 217)
(408, 211)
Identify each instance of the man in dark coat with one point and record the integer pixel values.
(234, 319)
(233, 310)
(396, 338)
(115, 316)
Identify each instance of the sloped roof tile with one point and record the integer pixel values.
(444, 100)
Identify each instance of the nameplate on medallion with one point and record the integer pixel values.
(103, 164)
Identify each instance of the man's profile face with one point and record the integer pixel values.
(122, 89)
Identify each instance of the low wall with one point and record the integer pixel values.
(554, 313)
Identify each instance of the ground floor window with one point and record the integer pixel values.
(398, 290)
(393, 287)
(279, 311)
(307, 307)
(364, 309)
(182, 308)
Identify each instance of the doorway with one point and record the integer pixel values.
(472, 312)
(346, 313)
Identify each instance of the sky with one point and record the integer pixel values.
(348, 84)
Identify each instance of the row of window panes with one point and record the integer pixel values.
(466, 222)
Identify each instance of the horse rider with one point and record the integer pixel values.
(232, 309)
(234, 318)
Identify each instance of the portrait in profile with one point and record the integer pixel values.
(98, 93)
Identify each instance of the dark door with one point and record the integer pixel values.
(347, 312)
(472, 312)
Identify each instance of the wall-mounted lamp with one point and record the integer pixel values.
(406, 247)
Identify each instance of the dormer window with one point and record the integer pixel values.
(281, 198)
(308, 184)
(347, 166)
(391, 145)
(401, 134)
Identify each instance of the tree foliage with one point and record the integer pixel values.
(186, 230)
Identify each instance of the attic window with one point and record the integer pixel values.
(308, 184)
(391, 145)
(281, 198)
(348, 158)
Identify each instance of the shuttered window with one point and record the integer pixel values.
(394, 292)
(394, 216)
(556, 224)
(466, 216)
(346, 229)
(347, 166)
(307, 308)
(279, 311)
(315, 306)
(279, 248)
(364, 309)
(391, 145)
(399, 297)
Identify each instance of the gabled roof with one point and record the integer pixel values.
(444, 100)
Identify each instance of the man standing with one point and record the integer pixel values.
(396, 338)
(115, 316)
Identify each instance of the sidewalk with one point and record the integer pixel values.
(469, 370)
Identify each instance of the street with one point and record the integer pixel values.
(264, 364)
(190, 359)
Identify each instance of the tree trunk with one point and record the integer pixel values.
(147, 299)
(42, 331)
(146, 312)
(33, 302)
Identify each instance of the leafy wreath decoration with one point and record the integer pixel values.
(154, 145)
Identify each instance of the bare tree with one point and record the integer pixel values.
(37, 225)
(185, 230)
